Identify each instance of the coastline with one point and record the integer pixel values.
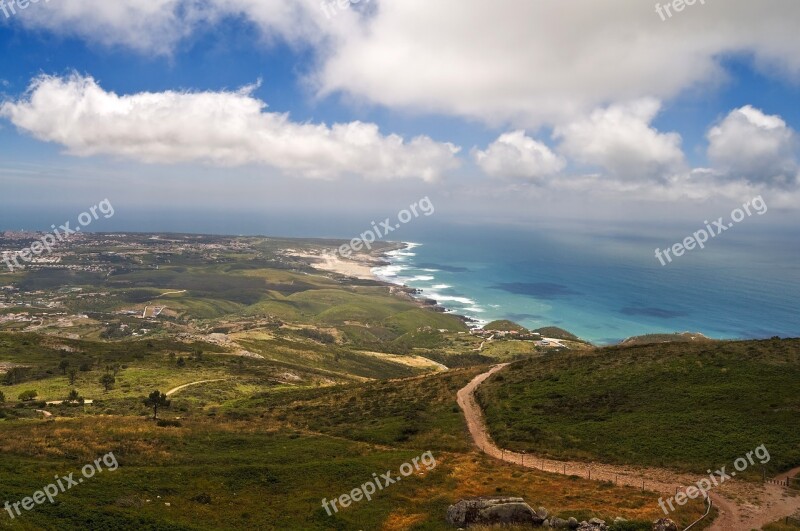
(360, 266)
(381, 266)
(387, 274)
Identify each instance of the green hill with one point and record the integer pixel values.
(677, 337)
(556, 333)
(683, 405)
(504, 326)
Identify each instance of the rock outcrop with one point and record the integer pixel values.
(495, 510)
(665, 524)
(509, 510)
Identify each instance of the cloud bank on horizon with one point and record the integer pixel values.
(578, 108)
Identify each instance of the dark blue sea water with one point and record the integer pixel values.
(606, 286)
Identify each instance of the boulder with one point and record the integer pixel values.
(494, 510)
(595, 524)
(665, 524)
(559, 523)
(572, 523)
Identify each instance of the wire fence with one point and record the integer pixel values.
(584, 471)
(709, 503)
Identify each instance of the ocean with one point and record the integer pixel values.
(607, 286)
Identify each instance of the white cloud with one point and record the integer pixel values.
(501, 62)
(158, 26)
(221, 128)
(514, 62)
(621, 140)
(751, 145)
(516, 155)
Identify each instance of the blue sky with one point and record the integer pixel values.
(490, 109)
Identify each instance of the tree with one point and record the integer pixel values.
(107, 381)
(15, 375)
(73, 396)
(63, 366)
(71, 374)
(157, 400)
(181, 362)
(27, 396)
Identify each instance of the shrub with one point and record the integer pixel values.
(27, 396)
(74, 397)
(203, 498)
(107, 381)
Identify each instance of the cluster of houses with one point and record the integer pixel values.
(522, 335)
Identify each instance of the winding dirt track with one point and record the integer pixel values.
(772, 501)
(184, 386)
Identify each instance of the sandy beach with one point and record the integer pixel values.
(359, 266)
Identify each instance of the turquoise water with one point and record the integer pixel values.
(607, 287)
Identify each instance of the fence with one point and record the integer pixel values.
(792, 520)
(586, 471)
(708, 510)
(791, 483)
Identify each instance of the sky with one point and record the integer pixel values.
(326, 114)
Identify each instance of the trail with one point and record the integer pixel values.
(774, 501)
(173, 391)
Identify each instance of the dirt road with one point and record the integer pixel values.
(173, 391)
(773, 502)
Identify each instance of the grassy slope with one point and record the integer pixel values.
(689, 406)
(146, 365)
(417, 412)
(271, 472)
(504, 326)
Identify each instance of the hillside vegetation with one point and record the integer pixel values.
(683, 405)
